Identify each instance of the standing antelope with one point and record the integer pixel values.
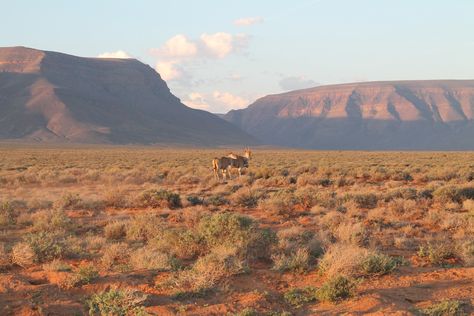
(240, 162)
(231, 161)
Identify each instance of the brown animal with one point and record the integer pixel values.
(231, 161)
(221, 165)
(240, 162)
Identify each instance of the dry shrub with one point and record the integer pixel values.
(246, 198)
(298, 261)
(56, 265)
(467, 252)
(116, 198)
(159, 198)
(181, 243)
(51, 221)
(437, 252)
(114, 230)
(353, 233)
(7, 214)
(401, 207)
(4, 257)
(23, 255)
(144, 227)
(238, 231)
(281, 202)
(68, 201)
(94, 242)
(366, 200)
(296, 250)
(343, 259)
(47, 246)
(220, 263)
(116, 255)
(150, 259)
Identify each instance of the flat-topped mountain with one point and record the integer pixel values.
(435, 114)
(49, 96)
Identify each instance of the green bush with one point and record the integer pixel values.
(445, 308)
(117, 303)
(86, 274)
(378, 264)
(437, 253)
(160, 198)
(236, 230)
(297, 297)
(195, 200)
(336, 288)
(46, 246)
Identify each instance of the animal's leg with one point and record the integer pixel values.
(240, 172)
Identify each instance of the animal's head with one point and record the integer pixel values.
(247, 153)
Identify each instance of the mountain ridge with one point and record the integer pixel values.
(49, 96)
(404, 114)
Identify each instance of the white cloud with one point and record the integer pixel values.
(116, 54)
(177, 47)
(248, 21)
(178, 52)
(218, 44)
(296, 82)
(168, 70)
(197, 101)
(228, 101)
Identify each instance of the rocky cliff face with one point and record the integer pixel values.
(49, 96)
(371, 115)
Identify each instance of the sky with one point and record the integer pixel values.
(219, 55)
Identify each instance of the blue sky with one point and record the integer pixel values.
(219, 55)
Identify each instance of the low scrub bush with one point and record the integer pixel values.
(236, 230)
(23, 255)
(144, 227)
(378, 264)
(7, 214)
(151, 259)
(445, 308)
(47, 246)
(335, 289)
(178, 242)
(217, 200)
(115, 230)
(116, 257)
(51, 221)
(455, 194)
(298, 297)
(366, 200)
(467, 252)
(298, 261)
(437, 253)
(117, 302)
(245, 198)
(207, 271)
(160, 198)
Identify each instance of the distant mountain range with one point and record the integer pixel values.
(53, 97)
(432, 115)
